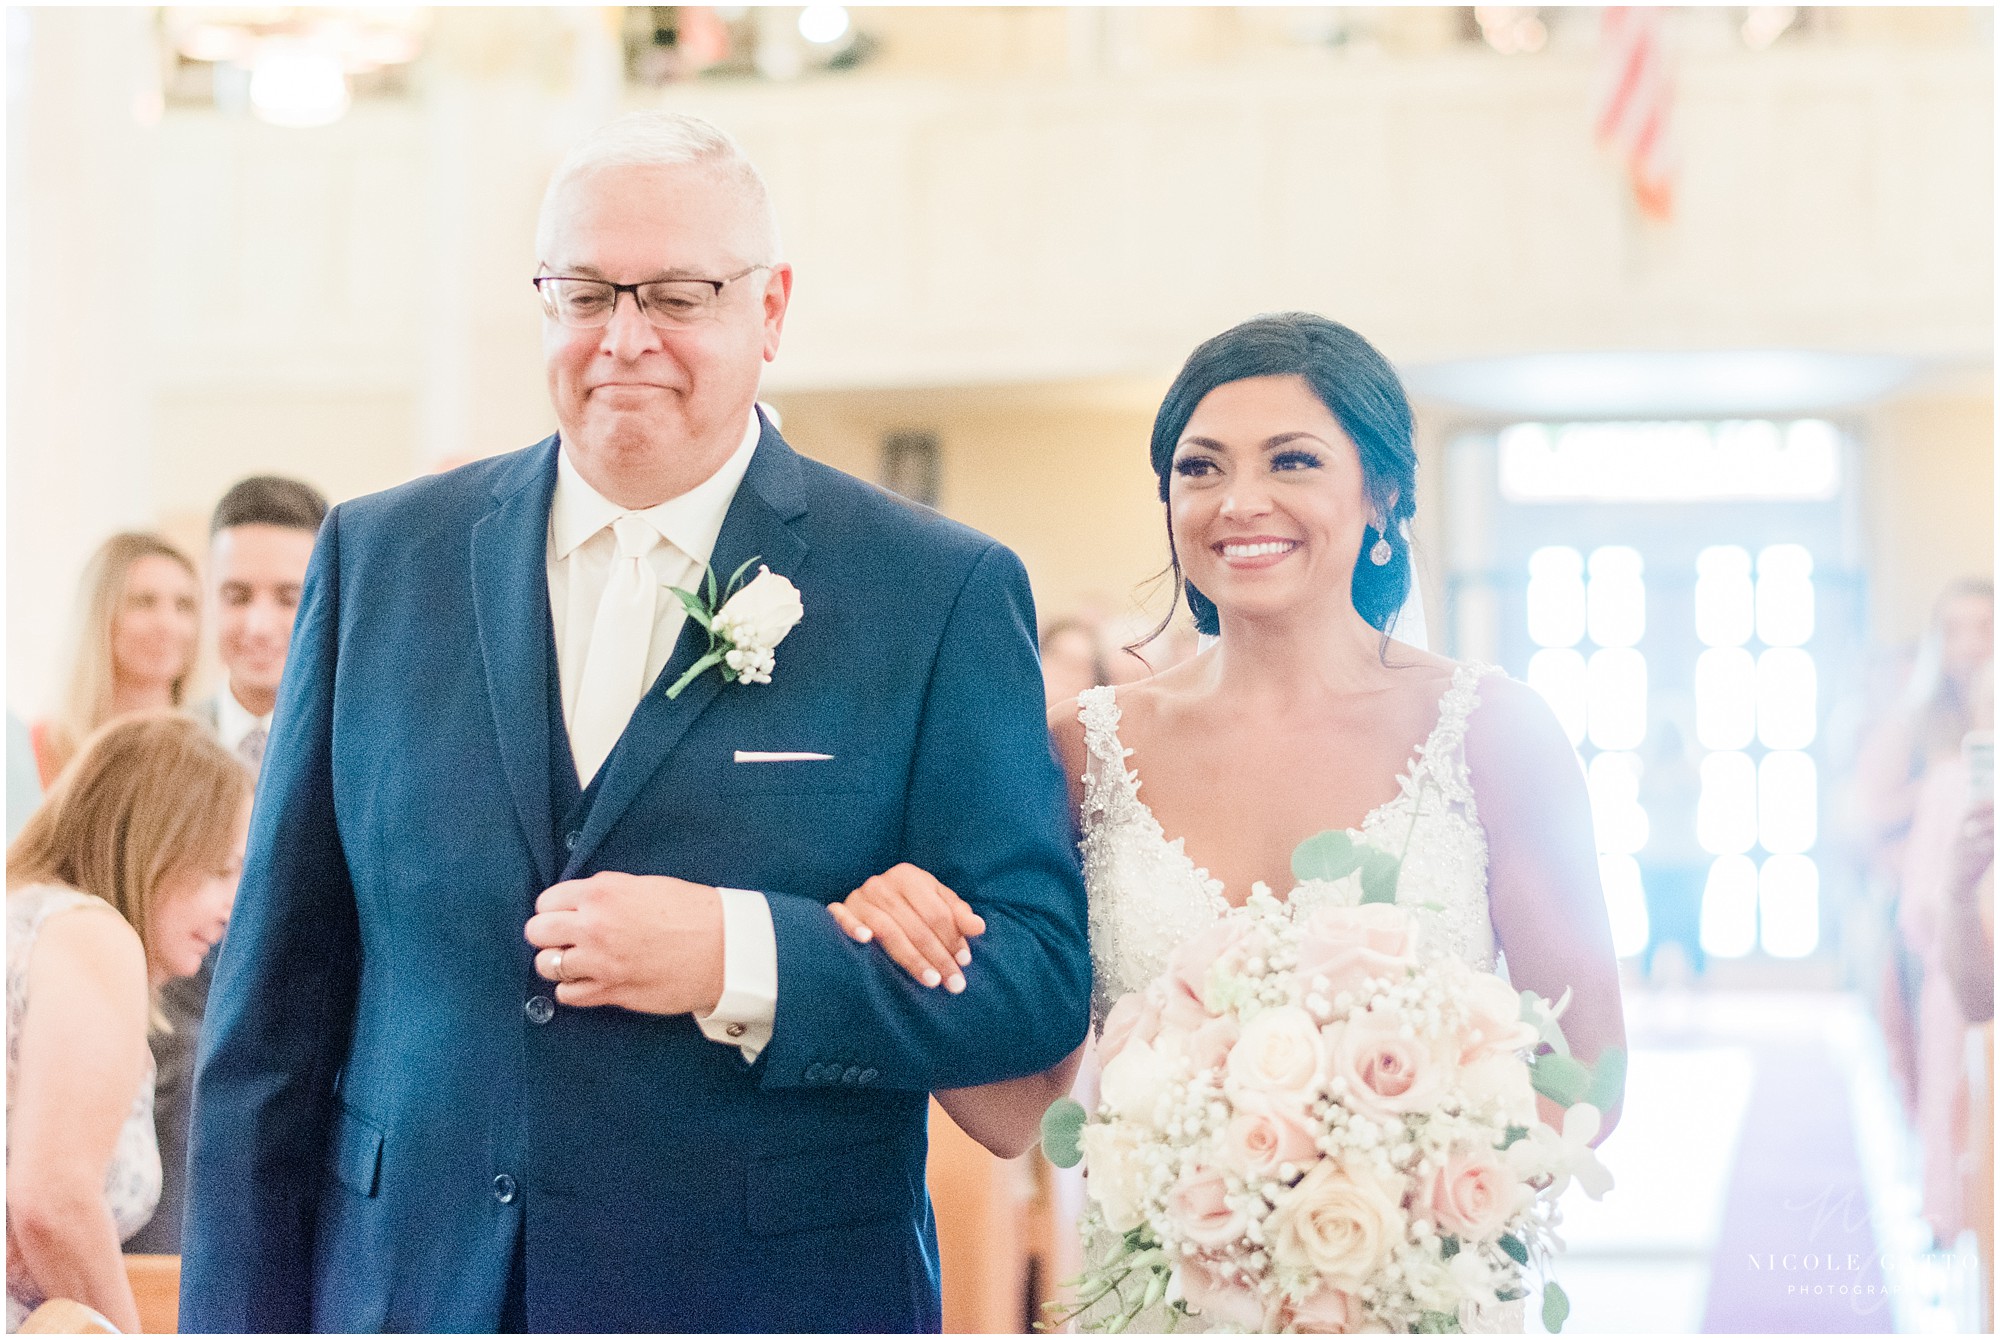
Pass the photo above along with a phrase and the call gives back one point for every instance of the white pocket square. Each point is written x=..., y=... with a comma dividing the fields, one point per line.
x=779, y=756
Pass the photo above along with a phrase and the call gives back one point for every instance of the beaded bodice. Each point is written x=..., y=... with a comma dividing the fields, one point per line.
x=1147, y=895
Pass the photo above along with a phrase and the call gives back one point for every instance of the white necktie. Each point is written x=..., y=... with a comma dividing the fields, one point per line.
x=614, y=668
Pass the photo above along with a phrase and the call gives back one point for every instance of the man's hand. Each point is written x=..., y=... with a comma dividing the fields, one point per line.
x=646, y=942
x=924, y=926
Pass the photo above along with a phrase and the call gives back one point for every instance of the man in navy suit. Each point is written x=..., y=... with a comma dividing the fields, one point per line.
x=532, y=1014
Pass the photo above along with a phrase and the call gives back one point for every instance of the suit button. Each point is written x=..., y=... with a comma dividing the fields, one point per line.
x=503, y=1189
x=569, y=841
x=815, y=1073
x=851, y=1074
x=540, y=1009
x=870, y=1075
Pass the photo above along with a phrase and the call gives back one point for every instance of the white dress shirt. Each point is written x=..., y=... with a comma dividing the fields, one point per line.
x=234, y=721
x=581, y=549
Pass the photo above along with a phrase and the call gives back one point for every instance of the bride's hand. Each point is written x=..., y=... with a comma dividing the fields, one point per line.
x=922, y=925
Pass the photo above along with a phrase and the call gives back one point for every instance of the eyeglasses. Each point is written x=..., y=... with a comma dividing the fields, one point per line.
x=670, y=304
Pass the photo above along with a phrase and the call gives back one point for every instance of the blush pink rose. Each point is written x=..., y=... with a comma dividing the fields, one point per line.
x=1327, y=1311
x=1386, y=1073
x=1493, y=1024
x=1279, y=1056
x=1472, y=1196
x=1224, y=1298
x=1348, y=945
x=1210, y=1046
x=1134, y=1018
x=1189, y=964
x=1264, y=1136
x=1199, y=1206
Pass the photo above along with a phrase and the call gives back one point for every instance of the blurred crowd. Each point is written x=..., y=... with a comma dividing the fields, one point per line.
x=128, y=809
x=1917, y=816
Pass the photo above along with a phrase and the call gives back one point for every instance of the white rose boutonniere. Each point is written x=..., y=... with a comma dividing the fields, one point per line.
x=744, y=627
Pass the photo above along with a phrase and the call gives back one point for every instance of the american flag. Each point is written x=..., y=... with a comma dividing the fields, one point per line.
x=1635, y=105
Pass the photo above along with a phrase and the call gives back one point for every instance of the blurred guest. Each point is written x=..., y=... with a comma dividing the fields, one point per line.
x=1966, y=926
x=261, y=538
x=1889, y=776
x=1933, y=865
x=137, y=619
x=1673, y=866
x=121, y=881
x=24, y=784
x=1071, y=660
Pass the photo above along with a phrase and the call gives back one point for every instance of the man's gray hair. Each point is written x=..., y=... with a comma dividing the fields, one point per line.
x=664, y=139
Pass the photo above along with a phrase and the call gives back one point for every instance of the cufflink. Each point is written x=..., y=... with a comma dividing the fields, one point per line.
x=736, y=1030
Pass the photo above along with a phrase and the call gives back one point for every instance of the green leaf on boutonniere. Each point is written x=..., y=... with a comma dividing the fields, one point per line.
x=1379, y=873
x=1331, y=855
x=736, y=577
x=1062, y=1130
x=1514, y=1247
x=695, y=607
x=1555, y=1307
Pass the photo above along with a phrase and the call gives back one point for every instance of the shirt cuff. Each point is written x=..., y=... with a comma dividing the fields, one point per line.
x=749, y=1004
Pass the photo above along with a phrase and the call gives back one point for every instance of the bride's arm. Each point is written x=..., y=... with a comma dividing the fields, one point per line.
x=1542, y=882
x=929, y=931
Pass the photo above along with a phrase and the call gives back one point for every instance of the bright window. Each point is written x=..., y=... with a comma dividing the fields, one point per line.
x=1559, y=675
x=1670, y=462
x=1614, y=803
x=1617, y=598
x=1729, y=908
x=1617, y=696
x=1785, y=595
x=1725, y=608
x=1555, y=597
x=1726, y=816
x=1624, y=904
x=1787, y=698
x=1787, y=802
x=1789, y=897
x=1725, y=698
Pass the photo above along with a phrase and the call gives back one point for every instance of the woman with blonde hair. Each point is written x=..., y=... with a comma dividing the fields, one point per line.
x=138, y=617
x=121, y=881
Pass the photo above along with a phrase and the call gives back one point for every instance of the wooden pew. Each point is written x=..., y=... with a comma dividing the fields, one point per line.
x=156, y=1284
x=66, y=1316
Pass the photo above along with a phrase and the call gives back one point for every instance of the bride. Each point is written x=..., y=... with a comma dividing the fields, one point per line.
x=1285, y=459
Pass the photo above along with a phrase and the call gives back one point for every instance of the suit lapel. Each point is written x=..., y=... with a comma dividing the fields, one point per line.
x=758, y=525
x=510, y=596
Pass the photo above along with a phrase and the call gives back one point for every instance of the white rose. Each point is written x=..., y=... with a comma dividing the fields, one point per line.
x=1278, y=1056
x=1115, y=1174
x=759, y=615
x=1339, y=1224
x=1500, y=1083
x=1135, y=1081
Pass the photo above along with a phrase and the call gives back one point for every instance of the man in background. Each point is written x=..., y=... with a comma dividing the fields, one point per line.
x=260, y=539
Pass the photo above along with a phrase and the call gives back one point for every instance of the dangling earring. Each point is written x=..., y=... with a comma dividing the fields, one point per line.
x=1381, y=553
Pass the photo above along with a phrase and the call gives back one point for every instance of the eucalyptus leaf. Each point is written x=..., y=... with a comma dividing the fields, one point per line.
x=1447, y=1247
x=1330, y=855
x=1555, y=1307
x=1437, y=1323
x=1062, y=1129
x=1379, y=873
x=1514, y=1134
x=1607, y=1079
x=1514, y=1247
x=1563, y=1080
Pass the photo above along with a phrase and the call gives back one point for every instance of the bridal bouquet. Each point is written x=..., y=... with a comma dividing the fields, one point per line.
x=1307, y=1126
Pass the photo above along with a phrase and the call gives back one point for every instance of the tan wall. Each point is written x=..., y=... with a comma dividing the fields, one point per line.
x=1929, y=504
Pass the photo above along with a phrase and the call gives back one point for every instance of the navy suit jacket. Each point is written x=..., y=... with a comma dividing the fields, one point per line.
x=385, y=1104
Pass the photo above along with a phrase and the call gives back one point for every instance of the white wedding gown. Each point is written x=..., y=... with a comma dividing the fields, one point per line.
x=1147, y=896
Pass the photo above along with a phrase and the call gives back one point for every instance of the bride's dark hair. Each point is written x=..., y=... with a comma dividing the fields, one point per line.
x=1359, y=388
